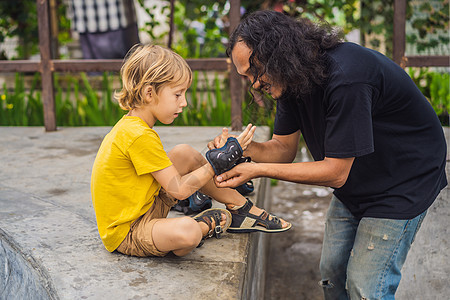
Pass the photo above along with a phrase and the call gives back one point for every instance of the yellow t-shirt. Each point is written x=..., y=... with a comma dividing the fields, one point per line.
x=122, y=187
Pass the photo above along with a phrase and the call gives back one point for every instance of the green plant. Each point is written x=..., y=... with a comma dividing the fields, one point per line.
x=436, y=88
x=152, y=12
x=20, y=107
x=202, y=26
x=19, y=19
x=208, y=107
x=76, y=103
x=430, y=23
x=261, y=112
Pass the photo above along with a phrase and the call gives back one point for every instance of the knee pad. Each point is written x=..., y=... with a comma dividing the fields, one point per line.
x=225, y=158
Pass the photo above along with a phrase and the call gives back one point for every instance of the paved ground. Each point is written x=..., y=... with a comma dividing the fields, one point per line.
x=293, y=263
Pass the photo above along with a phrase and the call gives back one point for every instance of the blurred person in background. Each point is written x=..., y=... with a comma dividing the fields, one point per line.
x=107, y=28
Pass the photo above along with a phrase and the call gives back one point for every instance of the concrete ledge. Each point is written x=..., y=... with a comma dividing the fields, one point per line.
x=49, y=244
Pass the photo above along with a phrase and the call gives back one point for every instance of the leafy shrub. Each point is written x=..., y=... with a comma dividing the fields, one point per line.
x=434, y=86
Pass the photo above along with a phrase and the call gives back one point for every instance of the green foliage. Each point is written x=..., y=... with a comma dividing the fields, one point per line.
x=64, y=23
x=20, y=107
x=19, y=19
x=375, y=19
x=430, y=23
x=343, y=13
x=152, y=12
x=199, y=30
x=211, y=107
x=88, y=107
x=201, y=25
x=76, y=103
x=260, y=112
x=377, y=24
x=436, y=87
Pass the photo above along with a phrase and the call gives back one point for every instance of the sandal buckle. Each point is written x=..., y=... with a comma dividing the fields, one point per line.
x=218, y=230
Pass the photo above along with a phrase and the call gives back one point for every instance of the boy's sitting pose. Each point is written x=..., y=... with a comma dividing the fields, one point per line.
x=135, y=182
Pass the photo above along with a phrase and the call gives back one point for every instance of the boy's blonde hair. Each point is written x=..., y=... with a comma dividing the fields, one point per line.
x=150, y=65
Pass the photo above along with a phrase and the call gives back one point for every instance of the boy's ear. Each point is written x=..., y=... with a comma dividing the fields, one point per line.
x=148, y=93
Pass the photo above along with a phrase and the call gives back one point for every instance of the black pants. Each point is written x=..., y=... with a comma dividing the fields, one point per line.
x=110, y=44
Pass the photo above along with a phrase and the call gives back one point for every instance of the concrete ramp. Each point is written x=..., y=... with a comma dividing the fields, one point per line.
x=50, y=247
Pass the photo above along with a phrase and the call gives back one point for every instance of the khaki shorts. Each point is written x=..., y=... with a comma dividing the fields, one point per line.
x=139, y=240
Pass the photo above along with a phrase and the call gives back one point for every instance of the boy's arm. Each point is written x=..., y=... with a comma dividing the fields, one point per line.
x=181, y=187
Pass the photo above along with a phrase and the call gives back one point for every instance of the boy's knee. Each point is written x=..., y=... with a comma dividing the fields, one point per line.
x=188, y=155
x=188, y=232
x=182, y=149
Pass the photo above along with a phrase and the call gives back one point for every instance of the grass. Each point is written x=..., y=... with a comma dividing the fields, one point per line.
x=78, y=103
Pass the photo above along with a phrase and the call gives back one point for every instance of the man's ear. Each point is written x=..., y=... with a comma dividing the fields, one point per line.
x=148, y=94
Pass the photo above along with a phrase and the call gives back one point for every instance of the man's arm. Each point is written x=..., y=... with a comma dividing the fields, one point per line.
x=331, y=172
x=280, y=149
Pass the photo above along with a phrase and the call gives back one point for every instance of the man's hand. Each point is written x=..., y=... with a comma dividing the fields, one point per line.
x=235, y=177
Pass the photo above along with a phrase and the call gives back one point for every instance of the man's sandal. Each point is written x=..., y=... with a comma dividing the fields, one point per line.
x=213, y=215
x=244, y=221
x=225, y=158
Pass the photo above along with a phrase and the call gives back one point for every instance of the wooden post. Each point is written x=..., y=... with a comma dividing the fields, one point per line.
x=46, y=65
x=171, y=25
x=399, y=41
x=235, y=79
x=54, y=45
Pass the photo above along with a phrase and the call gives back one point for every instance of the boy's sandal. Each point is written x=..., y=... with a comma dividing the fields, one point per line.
x=225, y=158
x=213, y=215
x=243, y=221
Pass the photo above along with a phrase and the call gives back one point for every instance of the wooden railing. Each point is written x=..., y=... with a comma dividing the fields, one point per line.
x=399, y=43
x=46, y=66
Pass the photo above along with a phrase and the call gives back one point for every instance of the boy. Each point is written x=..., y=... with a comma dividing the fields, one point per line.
x=135, y=182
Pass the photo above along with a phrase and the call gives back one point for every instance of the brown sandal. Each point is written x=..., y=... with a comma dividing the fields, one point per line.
x=213, y=215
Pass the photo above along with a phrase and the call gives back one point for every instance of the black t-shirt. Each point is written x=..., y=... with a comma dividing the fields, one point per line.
x=370, y=109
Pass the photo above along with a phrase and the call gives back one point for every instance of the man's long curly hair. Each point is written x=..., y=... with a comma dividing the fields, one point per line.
x=289, y=52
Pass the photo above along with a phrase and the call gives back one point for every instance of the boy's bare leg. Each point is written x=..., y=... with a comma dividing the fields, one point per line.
x=186, y=159
x=180, y=235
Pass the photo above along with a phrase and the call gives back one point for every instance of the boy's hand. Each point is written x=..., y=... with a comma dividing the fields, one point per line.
x=220, y=140
x=245, y=138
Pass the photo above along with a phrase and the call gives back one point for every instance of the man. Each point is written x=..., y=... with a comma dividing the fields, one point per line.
x=107, y=28
x=374, y=138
